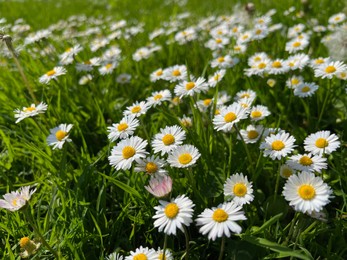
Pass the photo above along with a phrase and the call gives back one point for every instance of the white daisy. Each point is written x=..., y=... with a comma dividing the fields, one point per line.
x=114, y=256
x=258, y=113
x=123, y=129
x=286, y=171
x=251, y=134
x=127, y=151
x=278, y=66
x=189, y=88
x=217, y=77
x=296, y=45
x=294, y=81
x=220, y=220
x=33, y=110
x=69, y=54
x=186, y=121
x=88, y=65
x=306, y=192
x=142, y=253
x=175, y=73
x=173, y=215
x=224, y=62
x=108, y=68
x=16, y=199
x=168, y=139
x=239, y=189
x=307, y=162
x=277, y=146
x=137, y=109
x=158, y=97
x=330, y=69
x=168, y=255
x=245, y=94
x=183, y=156
x=156, y=75
x=59, y=135
x=228, y=116
x=321, y=143
x=305, y=89
x=85, y=79
x=337, y=18
x=123, y=78
x=52, y=74
x=152, y=166
x=297, y=61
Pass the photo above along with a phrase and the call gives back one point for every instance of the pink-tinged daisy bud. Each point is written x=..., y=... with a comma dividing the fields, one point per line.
x=160, y=187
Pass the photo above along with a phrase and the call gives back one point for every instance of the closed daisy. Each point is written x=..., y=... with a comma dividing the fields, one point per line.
x=142, y=253
x=221, y=220
x=307, y=162
x=239, y=189
x=278, y=146
x=228, y=116
x=123, y=129
x=33, y=110
x=59, y=135
x=152, y=166
x=52, y=74
x=321, y=143
x=173, y=215
x=183, y=156
x=168, y=139
x=28, y=247
x=127, y=151
x=160, y=187
x=306, y=192
x=16, y=199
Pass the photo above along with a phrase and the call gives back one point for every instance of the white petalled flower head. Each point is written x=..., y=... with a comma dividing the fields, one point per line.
x=252, y=134
x=244, y=37
x=223, y=98
x=88, y=65
x=124, y=129
x=321, y=143
x=141, y=54
x=115, y=256
x=294, y=81
x=127, y=151
x=239, y=189
x=217, y=77
x=245, y=102
x=228, y=116
x=306, y=192
x=217, y=43
x=16, y=199
x=98, y=43
x=52, y=74
x=28, y=247
x=85, y=79
x=123, y=78
x=152, y=166
x=168, y=255
x=239, y=48
x=142, y=253
x=246, y=94
x=160, y=187
x=296, y=45
x=221, y=220
x=204, y=104
x=173, y=215
x=183, y=156
x=315, y=63
x=271, y=82
x=189, y=88
x=286, y=171
x=70, y=53
x=330, y=69
x=259, y=112
x=337, y=18
x=278, y=146
x=224, y=62
x=307, y=162
x=295, y=30
x=33, y=110
x=108, y=68
x=305, y=89
x=137, y=109
x=159, y=97
x=186, y=121
x=175, y=73
x=342, y=75
x=59, y=135
x=168, y=139
x=156, y=75
x=260, y=32
x=185, y=36
x=278, y=66
x=297, y=61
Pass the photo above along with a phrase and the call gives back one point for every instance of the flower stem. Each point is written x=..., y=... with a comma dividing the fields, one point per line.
x=164, y=247
x=246, y=148
x=324, y=103
x=187, y=242
x=221, y=253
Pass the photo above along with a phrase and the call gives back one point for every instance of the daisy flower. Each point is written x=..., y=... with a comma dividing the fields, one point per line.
x=183, y=156
x=297, y=61
x=305, y=89
x=228, y=116
x=85, y=79
x=142, y=253
x=189, y=88
x=33, y=110
x=175, y=73
x=248, y=94
x=330, y=69
x=277, y=146
x=160, y=187
x=224, y=62
x=127, y=151
x=16, y=199
x=108, y=68
x=68, y=55
x=221, y=220
x=169, y=138
x=278, y=66
x=315, y=63
x=307, y=162
x=204, y=104
x=123, y=78
x=217, y=77
x=52, y=74
x=59, y=135
x=251, y=134
x=337, y=18
x=306, y=192
x=123, y=129
x=259, y=112
x=137, y=109
x=156, y=75
x=88, y=65
x=28, y=247
x=186, y=121
x=152, y=166
x=173, y=215
x=168, y=255
x=158, y=97
x=286, y=171
x=296, y=45
x=239, y=189
x=294, y=81
x=321, y=143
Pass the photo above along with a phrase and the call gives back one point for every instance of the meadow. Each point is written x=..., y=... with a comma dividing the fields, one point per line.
x=174, y=129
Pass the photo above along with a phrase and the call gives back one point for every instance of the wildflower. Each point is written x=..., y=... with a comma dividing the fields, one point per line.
x=108, y=68
x=330, y=69
x=321, y=143
x=277, y=146
x=152, y=166
x=123, y=129
x=246, y=94
x=337, y=18
x=156, y=75
x=228, y=116
x=158, y=97
x=85, y=79
x=52, y=74
x=186, y=121
x=168, y=139
x=286, y=171
x=88, y=65
x=127, y=151
x=204, y=104
x=28, y=247
x=278, y=66
x=306, y=192
x=167, y=256
x=294, y=81
x=297, y=61
x=67, y=57
x=137, y=109
x=59, y=135
x=259, y=112
x=305, y=89
x=141, y=53
x=307, y=162
x=315, y=63
x=33, y=110
x=296, y=45
x=175, y=73
x=142, y=253
x=123, y=78
x=160, y=187
x=16, y=199
x=220, y=220
x=239, y=189
x=251, y=134
x=173, y=215
x=189, y=88
x=224, y=62
x=183, y=156
x=271, y=82
x=217, y=77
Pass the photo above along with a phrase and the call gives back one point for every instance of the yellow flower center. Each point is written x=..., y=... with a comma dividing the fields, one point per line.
x=337, y=18
x=306, y=192
x=343, y=75
x=185, y=158
x=256, y=114
x=245, y=95
x=321, y=143
x=88, y=62
x=168, y=139
x=128, y=152
x=68, y=50
x=50, y=73
x=219, y=215
x=287, y=172
x=159, y=73
x=190, y=85
x=257, y=59
x=252, y=134
x=237, y=48
x=291, y=64
x=245, y=37
x=319, y=61
x=218, y=40
x=14, y=202
x=158, y=96
x=171, y=210
x=295, y=81
x=229, y=117
x=151, y=167
x=258, y=31
x=135, y=109
x=235, y=30
x=60, y=135
x=140, y=256
x=29, y=109
x=296, y=44
x=261, y=65
x=221, y=59
x=277, y=145
x=24, y=242
x=330, y=69
x=108, y=66
x=305, y=89
x=240, y=189
x=122, y=126
x=277, y=64
x=176, y=73
x=305, y=160
x=161, y=256
x=207, y=102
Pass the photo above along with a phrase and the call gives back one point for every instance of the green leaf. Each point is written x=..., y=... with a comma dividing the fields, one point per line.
x=267, y=224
